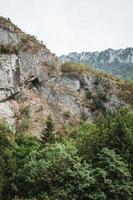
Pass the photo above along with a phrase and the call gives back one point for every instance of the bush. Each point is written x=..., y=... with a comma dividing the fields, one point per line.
x=88, y=94
x=72, y=67
x=97, y=103
x=66, y=114
x=25, y=124
x=27, y=37
x=24, y=110
x=8, y=49
x=126, y=91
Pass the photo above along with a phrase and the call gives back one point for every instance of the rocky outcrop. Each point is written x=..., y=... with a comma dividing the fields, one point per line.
x=118, y=62
x=32, y=85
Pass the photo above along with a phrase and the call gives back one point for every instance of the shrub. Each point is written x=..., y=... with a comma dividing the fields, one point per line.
x=27, y=37
x=102, y=95
x=40, y=109
x=25, y=124
x=73, y=67
x=8, y=49
x=24, y=110
x=126, y=91
x=97, y=103
x=88, y=94
x=66, y=114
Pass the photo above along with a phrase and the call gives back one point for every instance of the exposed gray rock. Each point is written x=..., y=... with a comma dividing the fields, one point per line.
x=69, y=102
x=6, y=112
x=9, y=76
x=73, y=84
x=7, y=37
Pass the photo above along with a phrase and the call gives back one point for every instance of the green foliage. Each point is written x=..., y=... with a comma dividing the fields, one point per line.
x=66, y=114
x=6, y=149
x=126, y=91
x=8, y=49
x=25, y=124
x=113, y=132
x=97, y=103
x=73, y=67
x=94, y=163
x=113, y=176
x=102, y=94
x=88, y=94
x=27, y=37
x=47, y=134
x=53, y=172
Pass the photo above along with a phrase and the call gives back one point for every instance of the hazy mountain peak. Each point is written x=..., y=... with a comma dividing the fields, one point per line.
x=118, y=62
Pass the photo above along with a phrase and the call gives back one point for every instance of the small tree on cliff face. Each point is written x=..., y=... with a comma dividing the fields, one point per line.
x=47, y=134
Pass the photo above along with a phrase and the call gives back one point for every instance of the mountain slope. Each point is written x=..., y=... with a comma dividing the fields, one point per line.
x=33, y=83
x=117, y=62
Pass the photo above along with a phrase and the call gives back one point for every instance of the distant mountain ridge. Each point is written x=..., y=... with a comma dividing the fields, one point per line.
x=117, y=62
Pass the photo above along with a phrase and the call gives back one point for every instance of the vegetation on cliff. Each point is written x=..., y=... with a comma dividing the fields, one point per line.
x=8, y=49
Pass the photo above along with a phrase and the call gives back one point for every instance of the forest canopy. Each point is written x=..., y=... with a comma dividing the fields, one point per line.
x=95, y=162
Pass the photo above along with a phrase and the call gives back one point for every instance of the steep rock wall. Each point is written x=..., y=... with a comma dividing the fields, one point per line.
x=32, y=85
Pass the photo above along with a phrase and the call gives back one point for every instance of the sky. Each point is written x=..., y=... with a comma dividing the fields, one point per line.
x=74, y=25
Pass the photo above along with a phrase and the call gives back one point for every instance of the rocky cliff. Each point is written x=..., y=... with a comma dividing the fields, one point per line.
x=33, y=83
x=117, y=62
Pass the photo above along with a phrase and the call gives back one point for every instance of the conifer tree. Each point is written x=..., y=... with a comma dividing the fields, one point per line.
x=47, y=134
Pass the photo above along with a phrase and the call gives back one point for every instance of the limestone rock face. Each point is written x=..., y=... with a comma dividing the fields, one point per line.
x=32, y=85
x=9, y=76
x=7, y=37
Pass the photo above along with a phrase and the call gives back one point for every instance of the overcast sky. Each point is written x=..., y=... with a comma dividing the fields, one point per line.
x=74, y=25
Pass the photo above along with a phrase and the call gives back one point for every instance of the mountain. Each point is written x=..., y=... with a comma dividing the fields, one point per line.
x=117, y=62
x=34, y=83
x=84, y=144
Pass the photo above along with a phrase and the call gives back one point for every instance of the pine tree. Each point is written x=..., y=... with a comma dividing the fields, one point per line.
x=47, y=134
